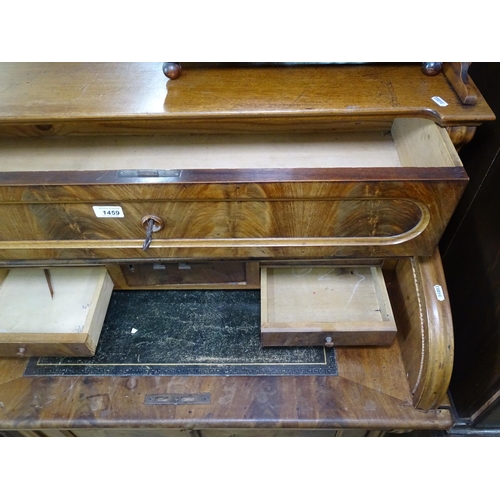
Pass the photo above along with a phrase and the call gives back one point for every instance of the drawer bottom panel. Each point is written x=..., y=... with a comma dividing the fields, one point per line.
x=341, y=306
x=53, y=311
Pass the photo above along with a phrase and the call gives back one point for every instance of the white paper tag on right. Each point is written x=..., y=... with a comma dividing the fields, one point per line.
x=439, y=292
x=439, y=101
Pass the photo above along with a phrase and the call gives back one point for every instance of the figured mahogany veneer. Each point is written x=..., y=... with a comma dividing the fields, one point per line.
x=373, y=195
x=341, y=165
x=400, y=386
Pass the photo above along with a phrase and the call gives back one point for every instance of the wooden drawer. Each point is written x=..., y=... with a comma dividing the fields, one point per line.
x=308, y=196
x=34, y=323
x=341, y=306
x=185, y=275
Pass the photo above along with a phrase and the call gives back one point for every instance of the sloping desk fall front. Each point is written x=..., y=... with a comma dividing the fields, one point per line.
x=49, y=111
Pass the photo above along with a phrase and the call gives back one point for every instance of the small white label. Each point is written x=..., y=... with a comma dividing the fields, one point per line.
x=439, y=292
x=108, y=212
x=439, y=101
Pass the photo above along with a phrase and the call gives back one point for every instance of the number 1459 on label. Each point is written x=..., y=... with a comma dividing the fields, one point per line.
x=108, y=211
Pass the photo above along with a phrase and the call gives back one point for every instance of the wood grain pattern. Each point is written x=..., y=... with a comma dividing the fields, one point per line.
x=458, y=75
x=188, y=152
x=403, y=214
x=69, y=324
x=47, y=218
x=236, y=212
x=425, y=328
x=460, y=136
x=420, y=143
x=47, y=99
x=470, y=251
x=306, y=305
x=382, y=220
x=371, y=391
x=238, y=402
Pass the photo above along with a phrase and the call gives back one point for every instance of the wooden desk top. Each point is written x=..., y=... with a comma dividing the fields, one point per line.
x=371, y=392
x=45, y=99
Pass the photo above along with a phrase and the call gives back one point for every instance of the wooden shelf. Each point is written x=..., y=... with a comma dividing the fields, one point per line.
x=136, y=98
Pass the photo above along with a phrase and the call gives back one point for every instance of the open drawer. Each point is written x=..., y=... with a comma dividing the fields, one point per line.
x=309, y=196
x=319, y=305
x=67, y=322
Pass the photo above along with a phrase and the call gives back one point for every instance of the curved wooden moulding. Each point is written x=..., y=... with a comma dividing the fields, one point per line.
x=425, y=330
x=460, y=136
x=208, y=223
x=206, y=229
x=458, y=75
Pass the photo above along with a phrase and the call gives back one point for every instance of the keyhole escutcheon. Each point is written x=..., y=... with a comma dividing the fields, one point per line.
x=152, y=224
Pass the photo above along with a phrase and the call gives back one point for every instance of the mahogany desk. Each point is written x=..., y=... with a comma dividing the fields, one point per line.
x=398, y=386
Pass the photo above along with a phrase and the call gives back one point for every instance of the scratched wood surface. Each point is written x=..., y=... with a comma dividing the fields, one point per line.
x=400, y=208
x=425, y=327
x=320, y=305
x=45, y=99
x=377, y=388
x=404, y=216
x=34, y=322
x=408, y=142
x=371, y=392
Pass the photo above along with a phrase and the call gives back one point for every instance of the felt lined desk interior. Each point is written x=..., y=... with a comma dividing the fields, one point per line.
x=193, y=332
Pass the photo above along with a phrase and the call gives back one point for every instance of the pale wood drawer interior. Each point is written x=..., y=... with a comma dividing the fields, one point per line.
x=247, y=197
x=35, y=323
x=409, y=142
x=325, y=305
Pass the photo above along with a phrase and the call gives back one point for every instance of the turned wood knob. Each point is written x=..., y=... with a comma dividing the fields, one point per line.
x=172, y=70
x=432, y=68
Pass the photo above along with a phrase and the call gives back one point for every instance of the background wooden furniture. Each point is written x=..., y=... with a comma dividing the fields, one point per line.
x=401, y=386
x=470, y=249
x=457, y=74
x=132, y=99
